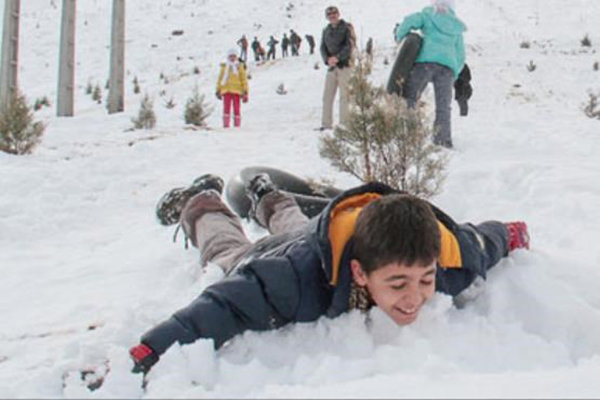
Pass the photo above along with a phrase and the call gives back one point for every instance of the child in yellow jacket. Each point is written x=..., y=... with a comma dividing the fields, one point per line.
x=231, y=87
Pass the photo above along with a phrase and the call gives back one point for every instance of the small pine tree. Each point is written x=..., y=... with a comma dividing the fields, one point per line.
x=384, y=140
x=146, y=118
x=136, y=85
x=592, y=108
x=170, y=104
x=596, y=66
x=97, y=94
x=196, y=110
x=19, y=134
x=586, y=42
x=89, y=88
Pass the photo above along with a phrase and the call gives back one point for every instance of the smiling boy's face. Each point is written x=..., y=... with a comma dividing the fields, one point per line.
x=399, y=290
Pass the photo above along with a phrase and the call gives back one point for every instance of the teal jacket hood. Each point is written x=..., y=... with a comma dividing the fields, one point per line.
x=442, y=37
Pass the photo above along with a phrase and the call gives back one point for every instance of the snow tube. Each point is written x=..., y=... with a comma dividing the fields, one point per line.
x=311, y=198
x=411, y=45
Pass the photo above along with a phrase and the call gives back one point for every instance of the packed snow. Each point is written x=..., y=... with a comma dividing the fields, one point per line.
x=87, y=269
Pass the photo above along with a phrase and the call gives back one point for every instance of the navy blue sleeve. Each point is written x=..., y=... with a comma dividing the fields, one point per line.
x=262, y=295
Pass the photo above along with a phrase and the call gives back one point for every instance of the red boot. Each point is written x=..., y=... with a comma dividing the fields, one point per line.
x=518, y=236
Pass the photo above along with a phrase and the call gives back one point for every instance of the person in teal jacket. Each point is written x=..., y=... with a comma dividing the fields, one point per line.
x=440, y=60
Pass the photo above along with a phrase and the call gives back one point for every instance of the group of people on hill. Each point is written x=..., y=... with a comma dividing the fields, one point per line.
x=289, y=44
x=369, y=246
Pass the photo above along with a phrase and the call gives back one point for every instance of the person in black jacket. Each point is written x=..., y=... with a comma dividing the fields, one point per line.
x=310, y=39
x=285, y=42
x=370, y=246
x=272, y=44
x=336, y=50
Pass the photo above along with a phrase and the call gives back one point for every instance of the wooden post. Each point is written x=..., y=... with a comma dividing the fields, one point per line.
x=66, y=67
x=10, y=52
x=117, y=59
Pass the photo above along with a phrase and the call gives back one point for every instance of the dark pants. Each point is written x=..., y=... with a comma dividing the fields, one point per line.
x=442, y=78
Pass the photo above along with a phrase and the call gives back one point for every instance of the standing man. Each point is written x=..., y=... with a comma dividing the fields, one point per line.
x=336, y=49
x=255, y=49
x=311, y=42
x=285, y=42
x=243, y=43
x=272, y=43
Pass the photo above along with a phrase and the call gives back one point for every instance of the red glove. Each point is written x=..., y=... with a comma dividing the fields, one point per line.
x=245, y=97
x=143, y=358
x=218, y=94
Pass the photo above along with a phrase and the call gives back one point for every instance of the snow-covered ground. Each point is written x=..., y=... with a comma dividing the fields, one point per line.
x=86, y=269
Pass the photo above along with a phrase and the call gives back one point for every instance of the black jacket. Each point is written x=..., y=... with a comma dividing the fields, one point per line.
x=335, y=41
x=285, y=278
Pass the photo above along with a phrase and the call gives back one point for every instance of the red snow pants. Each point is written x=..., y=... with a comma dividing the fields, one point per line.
x=228, y=99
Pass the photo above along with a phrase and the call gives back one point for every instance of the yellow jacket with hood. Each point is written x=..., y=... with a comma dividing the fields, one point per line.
x=236, y=83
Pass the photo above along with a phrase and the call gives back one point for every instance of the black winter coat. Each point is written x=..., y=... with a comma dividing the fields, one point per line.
x=287, y=278
x=335, y=41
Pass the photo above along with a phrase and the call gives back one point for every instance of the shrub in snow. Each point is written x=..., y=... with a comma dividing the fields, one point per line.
x=586, y=42
x=385, y=141
x=136, y=85
x=19, y=134
x=531, y=66
x=596, y=66
x=281, y=89
x=196, y=110
x=196, y=70
x=97, y=94
x=146, y=118
x=89, y=88
x=317, y=66
x=386, y=61
x=591, y=109
x=525, y=45
x=170, y=104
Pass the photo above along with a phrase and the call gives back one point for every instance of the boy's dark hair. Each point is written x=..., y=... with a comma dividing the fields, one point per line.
x=397, y=228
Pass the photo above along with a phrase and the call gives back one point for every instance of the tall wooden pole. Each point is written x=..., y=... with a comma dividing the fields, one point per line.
x=66, y=68
x=117, y=59
x=10, y=52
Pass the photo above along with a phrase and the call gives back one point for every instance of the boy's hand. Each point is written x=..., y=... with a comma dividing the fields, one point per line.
x=218, y=94
x=143, y=358
x=245, y=97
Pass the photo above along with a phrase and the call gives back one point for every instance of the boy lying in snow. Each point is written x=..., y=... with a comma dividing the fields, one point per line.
x=371, y=246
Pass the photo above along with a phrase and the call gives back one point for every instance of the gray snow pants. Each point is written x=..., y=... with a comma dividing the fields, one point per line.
x=217, y=232
x=442, y=78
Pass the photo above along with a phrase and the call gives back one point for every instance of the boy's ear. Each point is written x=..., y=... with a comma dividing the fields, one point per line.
x=359, y=275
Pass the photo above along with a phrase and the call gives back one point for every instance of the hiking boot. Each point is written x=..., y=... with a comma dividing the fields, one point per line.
x=518, y=235
x=170, y=205
x=257, y=188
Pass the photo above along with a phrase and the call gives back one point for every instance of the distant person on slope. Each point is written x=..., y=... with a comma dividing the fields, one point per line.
x=370, y=246
x=272, y=44
x=285, y=43
x=336, y=50
x=232, y=86
x=440, y=61
x=243, y=43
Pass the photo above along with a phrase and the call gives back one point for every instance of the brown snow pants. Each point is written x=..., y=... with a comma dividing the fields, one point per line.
x=217, y=232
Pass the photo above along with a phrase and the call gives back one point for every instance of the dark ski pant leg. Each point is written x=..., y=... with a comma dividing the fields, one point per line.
x=443, y=80
x=481, y=246
x=419, y=77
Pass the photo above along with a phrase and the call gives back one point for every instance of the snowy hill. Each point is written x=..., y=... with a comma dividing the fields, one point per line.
x=87, y=269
